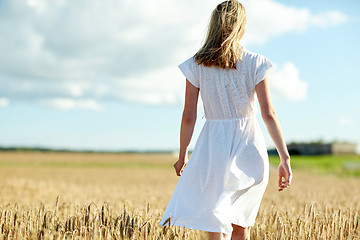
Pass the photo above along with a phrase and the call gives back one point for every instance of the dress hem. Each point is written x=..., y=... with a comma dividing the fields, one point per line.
x=203, y=228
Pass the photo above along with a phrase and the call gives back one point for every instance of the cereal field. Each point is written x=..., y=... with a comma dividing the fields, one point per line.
x=123, y=196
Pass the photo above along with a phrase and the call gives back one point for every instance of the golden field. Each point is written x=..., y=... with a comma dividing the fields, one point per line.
x=123, y=196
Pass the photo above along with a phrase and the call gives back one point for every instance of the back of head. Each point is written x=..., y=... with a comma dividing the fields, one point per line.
x=226, y=28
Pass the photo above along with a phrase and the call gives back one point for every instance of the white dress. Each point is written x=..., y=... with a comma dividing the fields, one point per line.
x=227, y=173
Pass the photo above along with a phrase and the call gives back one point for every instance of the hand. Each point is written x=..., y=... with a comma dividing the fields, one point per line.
x=179, y=166
x=285, y=175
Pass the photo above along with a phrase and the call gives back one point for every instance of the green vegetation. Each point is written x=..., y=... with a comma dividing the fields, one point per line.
x=326, y=164
x=323, y=164
x=65, y=150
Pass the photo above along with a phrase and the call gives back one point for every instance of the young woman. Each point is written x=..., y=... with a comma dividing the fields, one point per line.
x=221, y=187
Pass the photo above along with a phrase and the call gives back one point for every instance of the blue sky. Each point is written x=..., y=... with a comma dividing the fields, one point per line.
x=103, y=75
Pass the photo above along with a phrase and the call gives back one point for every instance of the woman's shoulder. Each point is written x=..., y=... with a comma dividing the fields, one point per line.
x=253, y=57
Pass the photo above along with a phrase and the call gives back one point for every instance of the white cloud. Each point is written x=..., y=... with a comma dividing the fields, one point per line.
x=68, y=103
x=120, y=50
x=163, y=86
x=331, y=18
x=285, y=83
x=268, y=19
x=345, y=121
x=4, y=102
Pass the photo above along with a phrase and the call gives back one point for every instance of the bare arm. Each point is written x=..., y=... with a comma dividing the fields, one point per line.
x=187, y=125
x=272, y=123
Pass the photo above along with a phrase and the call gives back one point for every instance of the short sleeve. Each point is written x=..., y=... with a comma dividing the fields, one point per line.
x=188, y=69
x=263, y=66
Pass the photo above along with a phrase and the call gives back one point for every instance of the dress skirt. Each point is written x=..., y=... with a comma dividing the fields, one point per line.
x=224, y=180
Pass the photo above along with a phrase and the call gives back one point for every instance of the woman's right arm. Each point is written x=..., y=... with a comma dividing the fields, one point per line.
x=187, y=125
x=272, y=123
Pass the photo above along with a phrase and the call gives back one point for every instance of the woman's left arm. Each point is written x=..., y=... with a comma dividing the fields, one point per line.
x=187, y=125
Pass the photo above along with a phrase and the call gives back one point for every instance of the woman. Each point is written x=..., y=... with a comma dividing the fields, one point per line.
x=222, y=185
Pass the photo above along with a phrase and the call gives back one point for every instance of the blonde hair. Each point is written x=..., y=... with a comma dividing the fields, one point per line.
x=226, y=28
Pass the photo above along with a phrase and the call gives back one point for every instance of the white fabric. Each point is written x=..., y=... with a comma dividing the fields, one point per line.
x=227, y=173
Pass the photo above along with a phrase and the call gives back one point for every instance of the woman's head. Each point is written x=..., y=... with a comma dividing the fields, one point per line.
x=226, y=28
